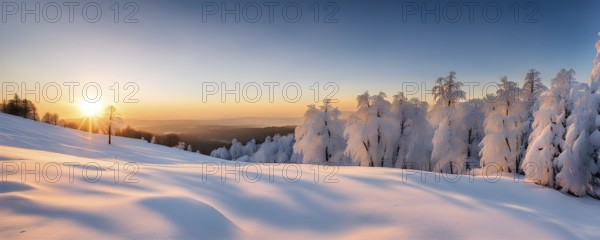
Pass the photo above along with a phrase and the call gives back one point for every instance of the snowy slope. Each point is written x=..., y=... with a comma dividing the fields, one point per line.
x=181, y=195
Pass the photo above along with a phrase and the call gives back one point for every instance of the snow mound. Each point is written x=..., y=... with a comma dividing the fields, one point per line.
x=65, y=184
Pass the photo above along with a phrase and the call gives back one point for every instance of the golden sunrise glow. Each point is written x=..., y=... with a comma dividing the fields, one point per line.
x=90, y=109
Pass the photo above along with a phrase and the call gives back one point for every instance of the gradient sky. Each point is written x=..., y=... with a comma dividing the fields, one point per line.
x=171, y=52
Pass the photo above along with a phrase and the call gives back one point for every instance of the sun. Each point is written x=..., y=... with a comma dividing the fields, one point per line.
x=90, y=109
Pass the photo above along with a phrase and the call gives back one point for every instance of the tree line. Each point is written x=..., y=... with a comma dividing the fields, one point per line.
x=20, y=107
x=551, y=135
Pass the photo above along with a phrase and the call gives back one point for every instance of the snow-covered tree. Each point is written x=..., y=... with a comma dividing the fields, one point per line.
x=367, y=131
x=532, y=89
x=449, y=146
x=189, y=147
x=411, y=134
x=221, y=153
x=547, y=140
x=539, y=162
x=277, y=149
x=577, y=163
x=470, y=117
x=236, y=150
x=530, y=94
x=594, y=78
x=266, y=152
x=595, y=137
x=180, y=145
x=505, y=126
x=448, y=91
x=153, y=141
x=319, y=138
x=250, y=148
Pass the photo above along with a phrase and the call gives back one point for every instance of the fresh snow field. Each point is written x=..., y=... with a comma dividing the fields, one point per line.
x=181, y=195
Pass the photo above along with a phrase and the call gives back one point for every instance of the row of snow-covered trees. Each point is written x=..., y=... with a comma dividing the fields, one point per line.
x=551, y=135
x=565, y=142
x=402, y=133
x=385, y=134
x=276, y=149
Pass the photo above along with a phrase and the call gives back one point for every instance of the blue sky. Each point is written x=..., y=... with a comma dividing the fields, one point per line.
x=171, y=51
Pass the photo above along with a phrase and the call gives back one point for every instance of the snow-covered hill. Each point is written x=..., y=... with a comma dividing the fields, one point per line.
x=164, y=193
